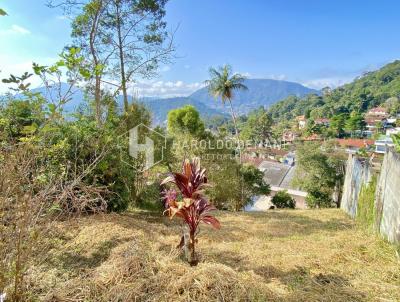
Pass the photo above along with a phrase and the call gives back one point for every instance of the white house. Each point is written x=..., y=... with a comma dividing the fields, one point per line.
x=383, y=143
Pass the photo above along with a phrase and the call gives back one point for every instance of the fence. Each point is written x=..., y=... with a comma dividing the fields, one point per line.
x=358, y=173
x=387, y=197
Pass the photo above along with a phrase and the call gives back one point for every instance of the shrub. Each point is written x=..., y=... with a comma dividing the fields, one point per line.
x=318, y=199
x=365, y=205
x=283, y=199
x=190, y=205
x=243, y=181
x=149, y=198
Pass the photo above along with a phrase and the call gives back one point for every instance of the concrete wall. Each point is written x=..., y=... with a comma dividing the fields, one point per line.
x=358, y=173
x=387, y=198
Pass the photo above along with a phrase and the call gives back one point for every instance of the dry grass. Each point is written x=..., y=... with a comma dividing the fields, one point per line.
x=286, y=255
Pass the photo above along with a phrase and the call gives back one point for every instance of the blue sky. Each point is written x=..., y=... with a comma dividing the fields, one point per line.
x=314, y=42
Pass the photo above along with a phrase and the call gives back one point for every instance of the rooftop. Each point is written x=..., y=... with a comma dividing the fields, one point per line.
x=378, y=110
x=355, y=142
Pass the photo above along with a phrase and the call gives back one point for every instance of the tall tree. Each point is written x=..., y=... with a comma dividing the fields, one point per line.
x=319, y=172
x=355, y=122
x=137, y=31
x=86, y=34
x=186, y=120
x=258, y=127
x=337, y=124
x=222, y=85
x=123, y=40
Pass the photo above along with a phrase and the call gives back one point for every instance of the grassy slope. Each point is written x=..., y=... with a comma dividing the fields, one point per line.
x=298, y=255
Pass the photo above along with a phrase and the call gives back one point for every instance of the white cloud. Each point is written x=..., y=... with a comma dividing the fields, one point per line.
x=14, y=30
x=17, y=66
x=20, y=29
x=165, y=89
x=245, y=74
x=279, y=77
x=332, y=82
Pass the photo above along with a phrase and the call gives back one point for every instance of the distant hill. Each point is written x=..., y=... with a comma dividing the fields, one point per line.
x=367, y=91
x=161, y=107
x=261, y=92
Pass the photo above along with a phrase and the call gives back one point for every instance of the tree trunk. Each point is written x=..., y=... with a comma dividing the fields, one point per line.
x=186, y=242
x=240, y=152
x=189, y=242
x=122, y=60
x=97, y=88
x=236, y=130
x=97, y=99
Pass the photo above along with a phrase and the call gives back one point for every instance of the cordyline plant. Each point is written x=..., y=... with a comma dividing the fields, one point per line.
x=191, y=205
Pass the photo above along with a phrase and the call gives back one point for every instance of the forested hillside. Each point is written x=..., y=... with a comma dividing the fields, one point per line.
x=369, y=90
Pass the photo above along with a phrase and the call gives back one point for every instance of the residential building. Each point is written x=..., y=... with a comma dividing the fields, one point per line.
x=322, y=121
x=373, y=121
x=352, y=145
x=378, y=111
x=393, y=130
x=272, y=154
x=302, y=121
x=289, y=136
x=313, y=137
x=375, y=116
x=383, y=143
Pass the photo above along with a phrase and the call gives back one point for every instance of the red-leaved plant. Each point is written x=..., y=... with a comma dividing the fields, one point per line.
x=191, y=205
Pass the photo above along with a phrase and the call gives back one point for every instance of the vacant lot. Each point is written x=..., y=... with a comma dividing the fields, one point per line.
x=298, y=255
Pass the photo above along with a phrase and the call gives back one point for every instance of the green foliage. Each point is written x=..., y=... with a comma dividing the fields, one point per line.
x=223, y=83
x=19, y=118
x=393, y=105
x=185, y=120
x=362, y=152
x=313, y=128
x=75, y=151
x=366, y=203
x=232, y=181
x=318, y=199
x=368, y=91
x=257, y=127
x=2, y=12
x=355, y=122
x=283, y=199
x=150, y=199
x=337, y=124
x=318, y=172
x=396, y=141
x=254, y=181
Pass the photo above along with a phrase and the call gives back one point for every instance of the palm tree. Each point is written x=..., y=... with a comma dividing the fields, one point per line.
x=222, y=85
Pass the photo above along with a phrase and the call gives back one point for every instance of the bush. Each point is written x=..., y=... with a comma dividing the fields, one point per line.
x=318, y=199
x=365, y=206
x=283, y=199
x=150, y=198
x=234, y=185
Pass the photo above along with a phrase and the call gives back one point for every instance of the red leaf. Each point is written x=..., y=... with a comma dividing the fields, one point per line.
x=211, y=221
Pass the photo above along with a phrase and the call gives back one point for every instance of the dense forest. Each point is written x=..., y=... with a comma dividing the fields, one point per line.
x=369, y=90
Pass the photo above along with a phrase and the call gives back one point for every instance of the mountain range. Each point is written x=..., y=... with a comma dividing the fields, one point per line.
x=261, y=92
